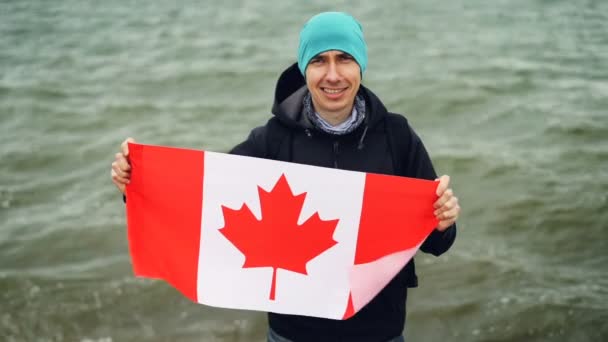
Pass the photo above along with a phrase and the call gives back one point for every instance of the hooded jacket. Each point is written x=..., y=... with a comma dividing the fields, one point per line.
x=290, y=136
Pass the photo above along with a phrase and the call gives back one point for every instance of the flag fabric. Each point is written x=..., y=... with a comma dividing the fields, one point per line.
x=250, y=233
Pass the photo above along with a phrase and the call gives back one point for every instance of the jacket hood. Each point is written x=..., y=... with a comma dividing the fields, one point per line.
x=289, y=95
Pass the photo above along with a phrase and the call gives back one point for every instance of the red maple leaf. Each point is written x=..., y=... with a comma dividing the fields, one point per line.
x=277, y=240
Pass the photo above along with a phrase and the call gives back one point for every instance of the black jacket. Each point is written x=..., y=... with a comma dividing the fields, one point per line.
x=290, y=136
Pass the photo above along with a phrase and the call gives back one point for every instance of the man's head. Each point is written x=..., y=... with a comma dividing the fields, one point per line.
x=332, y=31
x=332, y=57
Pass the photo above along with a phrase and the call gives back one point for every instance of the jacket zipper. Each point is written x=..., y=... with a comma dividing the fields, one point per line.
x=336, y=152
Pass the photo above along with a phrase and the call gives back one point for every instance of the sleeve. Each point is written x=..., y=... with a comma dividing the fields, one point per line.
x=254, y=145
x=420, y=166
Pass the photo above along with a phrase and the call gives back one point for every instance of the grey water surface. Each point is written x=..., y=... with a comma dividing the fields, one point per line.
x=510, y=98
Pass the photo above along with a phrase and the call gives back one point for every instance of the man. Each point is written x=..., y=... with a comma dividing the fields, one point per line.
x=323, y=116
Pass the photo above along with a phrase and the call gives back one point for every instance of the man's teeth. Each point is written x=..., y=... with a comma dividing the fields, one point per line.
x=332, y=91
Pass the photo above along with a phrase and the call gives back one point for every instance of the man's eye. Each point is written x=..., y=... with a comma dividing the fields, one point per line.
x=316, y=60
x=346, y=57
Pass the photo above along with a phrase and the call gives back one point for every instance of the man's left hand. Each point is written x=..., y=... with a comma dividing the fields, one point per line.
x=446, y=207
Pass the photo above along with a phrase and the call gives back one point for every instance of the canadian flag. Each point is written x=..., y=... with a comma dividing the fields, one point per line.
x=249, y=233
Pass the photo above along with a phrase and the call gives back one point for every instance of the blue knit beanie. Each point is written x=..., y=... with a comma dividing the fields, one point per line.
x=332, y=31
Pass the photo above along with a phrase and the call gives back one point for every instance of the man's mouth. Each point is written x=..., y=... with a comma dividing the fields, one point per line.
x=333, y=90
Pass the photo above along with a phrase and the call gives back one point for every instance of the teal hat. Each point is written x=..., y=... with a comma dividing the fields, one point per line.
x=332, y=31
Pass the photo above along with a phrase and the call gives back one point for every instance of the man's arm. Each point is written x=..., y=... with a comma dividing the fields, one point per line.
x=439, y=242
x=447, y=208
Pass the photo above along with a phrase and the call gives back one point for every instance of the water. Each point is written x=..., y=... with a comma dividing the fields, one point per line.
x=510, y=97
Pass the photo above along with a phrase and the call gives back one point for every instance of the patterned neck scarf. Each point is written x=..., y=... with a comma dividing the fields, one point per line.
x=353, y=121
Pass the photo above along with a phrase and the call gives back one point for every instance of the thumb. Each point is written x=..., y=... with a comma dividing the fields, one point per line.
x=124, y=147
x=444, y=182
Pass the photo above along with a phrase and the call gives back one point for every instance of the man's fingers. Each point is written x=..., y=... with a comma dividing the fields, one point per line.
x=118, y=178
x=447, y=194
x=443, y=225
x=124, y=147
x=444, y=182
x=447, y=207
x=452, y=202
x=122, y=162
x=119, y=185
x=448, y=218
x=451, y=214
x=119, y=171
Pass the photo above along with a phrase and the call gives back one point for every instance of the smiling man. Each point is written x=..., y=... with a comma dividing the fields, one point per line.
x=323, y=116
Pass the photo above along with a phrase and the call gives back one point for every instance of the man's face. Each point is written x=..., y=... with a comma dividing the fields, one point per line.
x=333, y=79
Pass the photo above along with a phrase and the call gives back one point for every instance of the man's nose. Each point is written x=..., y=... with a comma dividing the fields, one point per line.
x=333, y=74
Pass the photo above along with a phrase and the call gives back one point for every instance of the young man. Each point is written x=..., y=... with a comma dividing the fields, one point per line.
x=323, y=116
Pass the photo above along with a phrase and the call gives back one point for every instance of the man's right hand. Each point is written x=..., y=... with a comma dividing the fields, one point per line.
x=121, y=169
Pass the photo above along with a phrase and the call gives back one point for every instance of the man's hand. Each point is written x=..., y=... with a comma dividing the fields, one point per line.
x=446, y=207
x=121, y=169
